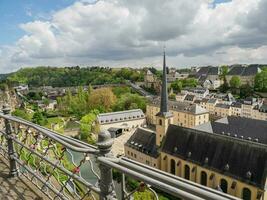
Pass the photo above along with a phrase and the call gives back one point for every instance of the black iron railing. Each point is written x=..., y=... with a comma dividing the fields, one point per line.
x=66, y=168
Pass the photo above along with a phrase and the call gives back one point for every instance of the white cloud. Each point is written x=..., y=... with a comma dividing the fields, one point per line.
x=131, y=33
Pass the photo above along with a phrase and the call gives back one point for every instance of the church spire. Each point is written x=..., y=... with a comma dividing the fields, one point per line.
x=164, y=92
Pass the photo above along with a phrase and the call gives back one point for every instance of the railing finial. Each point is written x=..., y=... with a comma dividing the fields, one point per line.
x=106, y=185
x=104, y=142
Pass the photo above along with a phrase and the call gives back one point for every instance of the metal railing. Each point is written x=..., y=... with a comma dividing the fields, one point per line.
x=66, y=168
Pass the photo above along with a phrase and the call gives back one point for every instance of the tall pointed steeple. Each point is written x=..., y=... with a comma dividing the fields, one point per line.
x=164, y=111
x=164, y=117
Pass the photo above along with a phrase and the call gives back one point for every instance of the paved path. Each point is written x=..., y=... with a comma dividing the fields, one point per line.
x=118, y=146
x=18, y=188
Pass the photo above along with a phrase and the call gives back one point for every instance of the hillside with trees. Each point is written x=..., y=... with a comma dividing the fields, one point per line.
x=72, y=76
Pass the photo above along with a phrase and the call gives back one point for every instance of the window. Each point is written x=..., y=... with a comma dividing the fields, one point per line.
x=203, y=179
x=224, y=185
x=131, y=153
x=246, y=194
x=128, y=152
x=135, y=155
x=172, y=166
x=187, y=172
x=160, y=122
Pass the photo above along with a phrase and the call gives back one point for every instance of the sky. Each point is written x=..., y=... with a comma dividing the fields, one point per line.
x=126, y=33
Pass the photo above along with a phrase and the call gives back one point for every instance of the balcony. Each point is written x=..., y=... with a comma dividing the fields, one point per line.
x=65, y=168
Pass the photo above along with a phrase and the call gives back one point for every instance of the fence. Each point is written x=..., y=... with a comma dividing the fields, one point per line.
x=66, y=168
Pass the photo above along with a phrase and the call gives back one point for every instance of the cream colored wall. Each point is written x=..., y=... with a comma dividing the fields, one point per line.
x=141, y=157
x=161, y=129
x=213, y=183
x=223, y=112
x=179, y=118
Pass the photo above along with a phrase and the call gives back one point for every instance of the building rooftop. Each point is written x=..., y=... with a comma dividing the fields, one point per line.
x=189, y=97
x=120, y=116
x=239, y=127
x=244, y=71
x=240, y=159
x=222, y=105
x=144, y=140
x=182, y=107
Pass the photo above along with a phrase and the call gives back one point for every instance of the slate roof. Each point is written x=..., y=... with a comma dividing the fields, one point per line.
x=237, y=105
x=236, y=70
x=189, y=97
x=144, y=140
x=184, y=107
x=212, y=101
x=240, y=159
x=238, y=127
x=222, y=105
x=120, y=116
x=244, y=71
x=213, y=71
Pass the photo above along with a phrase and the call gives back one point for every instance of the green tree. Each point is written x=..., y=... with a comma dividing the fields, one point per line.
x=235, y=82
x=130, y=101
x=177, y=86
x=260, y=82
x=246, y=91
x=39, y=118
x=22, y=114
x=88, y=126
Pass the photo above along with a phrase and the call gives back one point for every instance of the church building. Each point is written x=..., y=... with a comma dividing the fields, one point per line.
x=234, y=163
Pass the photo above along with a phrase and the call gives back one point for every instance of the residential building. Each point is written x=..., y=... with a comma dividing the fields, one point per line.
x=246, y=74
x=198, y=92
x=185, y=114
x=236, y=109
x=222, y=110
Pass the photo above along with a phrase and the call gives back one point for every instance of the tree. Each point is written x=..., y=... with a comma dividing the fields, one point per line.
x=223, y=72
x=246, y=91
x=235, y=82
x=224, y=87
x=88, y=126
x=22, y=114
x=130, y=101
x=102, y=99
x=39, y=118
x=189, y=82
x=260, y=82
x=172, y=96
x=177, y=86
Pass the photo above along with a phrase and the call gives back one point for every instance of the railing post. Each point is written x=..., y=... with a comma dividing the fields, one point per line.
x=10, y=145
x=106, y=185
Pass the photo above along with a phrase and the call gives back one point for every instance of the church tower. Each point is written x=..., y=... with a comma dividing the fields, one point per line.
x=164, y=117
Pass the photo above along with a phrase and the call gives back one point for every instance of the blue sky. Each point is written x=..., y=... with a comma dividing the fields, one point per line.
x=15, y=12
x=131, y=33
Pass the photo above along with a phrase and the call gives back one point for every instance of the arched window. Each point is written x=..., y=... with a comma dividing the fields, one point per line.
x=246, y=195
x=203, y=178
x=224, y=185
x=172, y=166
x=187, y=172
x=160, y=122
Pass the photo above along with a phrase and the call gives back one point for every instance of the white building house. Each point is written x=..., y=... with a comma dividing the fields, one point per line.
x=125, y=120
